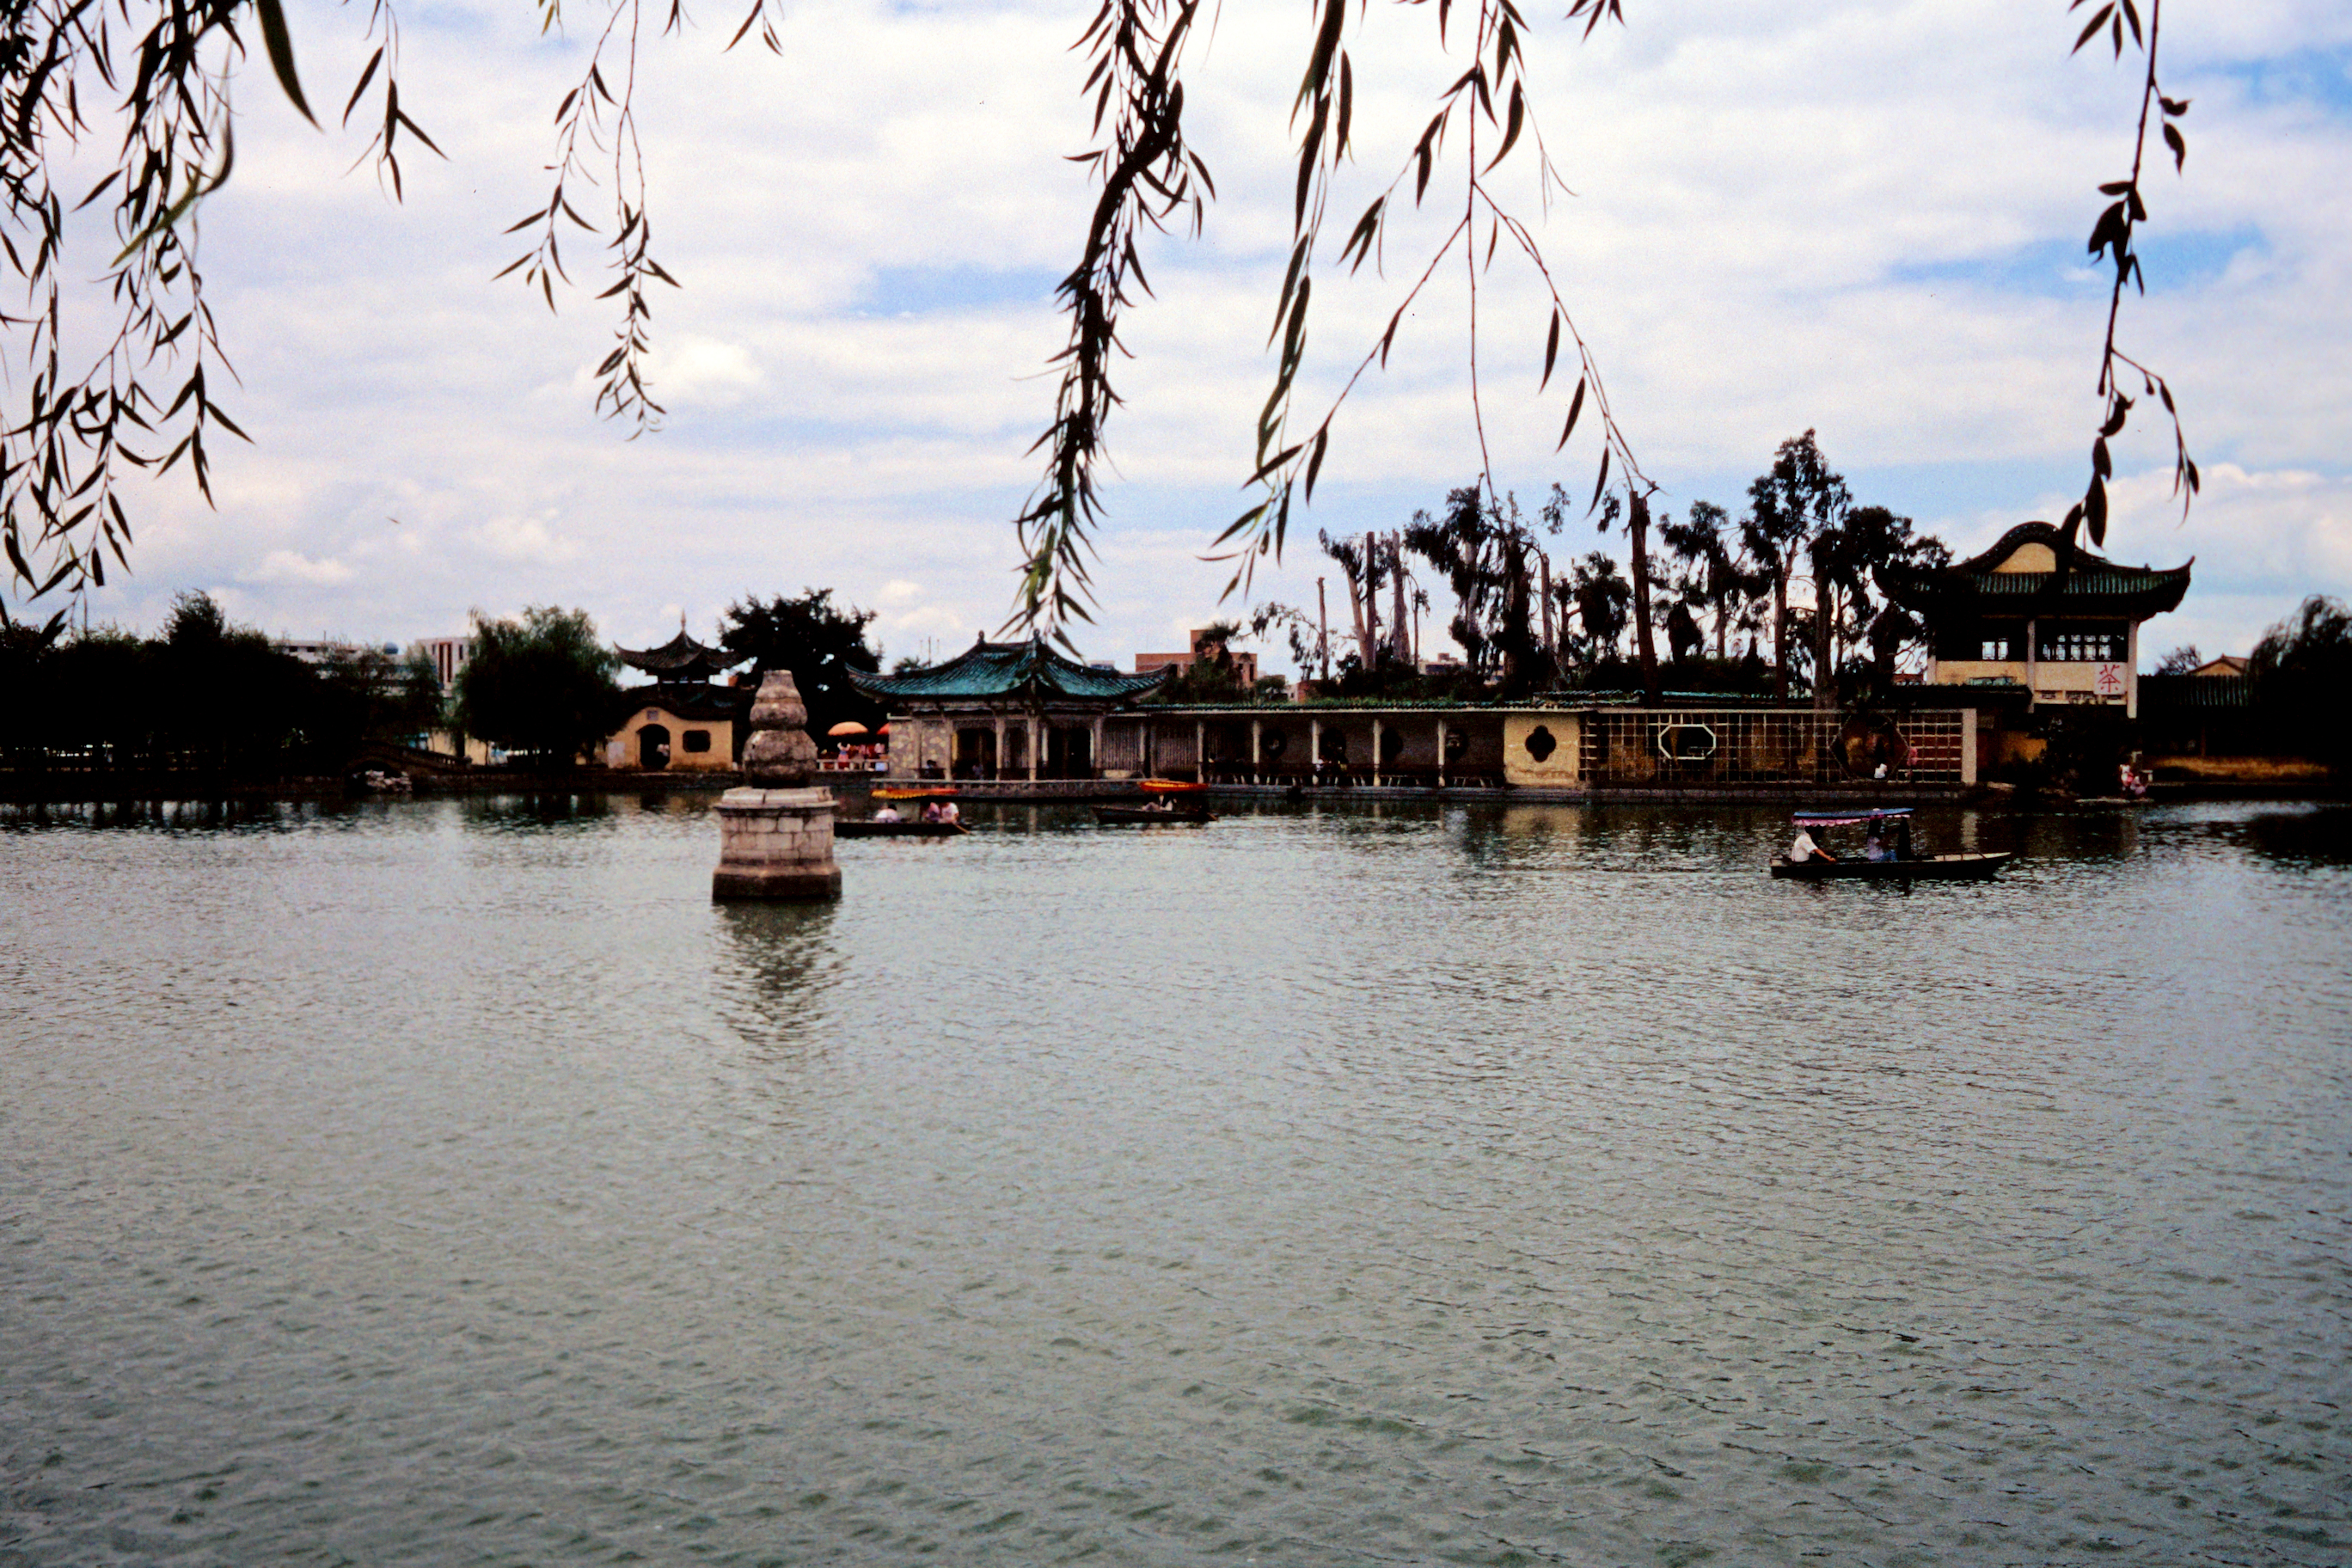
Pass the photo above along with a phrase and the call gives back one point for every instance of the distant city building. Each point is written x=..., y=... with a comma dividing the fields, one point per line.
x=326, y=651
x=449, y=654
x=1203, y=647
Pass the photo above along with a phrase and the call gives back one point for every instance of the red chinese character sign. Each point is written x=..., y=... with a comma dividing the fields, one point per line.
x=2109, y=682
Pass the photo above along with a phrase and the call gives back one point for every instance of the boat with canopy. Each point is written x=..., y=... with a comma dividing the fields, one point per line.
x=1897, y=867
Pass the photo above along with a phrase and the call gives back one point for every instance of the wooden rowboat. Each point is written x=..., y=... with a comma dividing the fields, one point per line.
x=1935, y=869
x=1143, y=816
x=866, y=828
x=906, y=791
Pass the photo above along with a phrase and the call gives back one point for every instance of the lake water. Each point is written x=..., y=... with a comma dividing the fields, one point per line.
x=452, y=1183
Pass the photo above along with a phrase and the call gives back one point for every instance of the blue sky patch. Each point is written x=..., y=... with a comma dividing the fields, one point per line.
x=2322, y=77
x=925, y=290
x=2062, y=270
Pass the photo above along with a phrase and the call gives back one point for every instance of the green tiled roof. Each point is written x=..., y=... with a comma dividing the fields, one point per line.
x=2093, y=586
x=995, y=671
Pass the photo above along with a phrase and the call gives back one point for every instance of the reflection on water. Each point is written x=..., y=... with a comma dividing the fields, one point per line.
x=435, y=1181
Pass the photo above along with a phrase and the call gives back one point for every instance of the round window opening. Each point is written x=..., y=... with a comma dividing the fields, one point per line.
x=1272, y=742
x=1541, y=744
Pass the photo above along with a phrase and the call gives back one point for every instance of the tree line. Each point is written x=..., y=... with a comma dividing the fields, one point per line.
x=1697, y=587
x=207, y=696
x=203, y=695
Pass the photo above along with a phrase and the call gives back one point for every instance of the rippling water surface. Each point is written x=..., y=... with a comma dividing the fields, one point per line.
x=449, y=1182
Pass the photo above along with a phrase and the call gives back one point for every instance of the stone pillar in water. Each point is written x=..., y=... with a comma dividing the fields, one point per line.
x=775, y=833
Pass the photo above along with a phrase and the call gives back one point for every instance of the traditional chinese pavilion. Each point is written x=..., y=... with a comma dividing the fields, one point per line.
x=685, y=721
x=1003, y=709
x=2012, y=618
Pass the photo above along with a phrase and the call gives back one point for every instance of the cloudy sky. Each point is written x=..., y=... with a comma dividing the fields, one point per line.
x=1862, y=219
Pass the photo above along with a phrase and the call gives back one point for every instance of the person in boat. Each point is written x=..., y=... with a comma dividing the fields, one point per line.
x=1902, y=839
x=932, y=813
x=1874, y=847
x=888, y=814
x=949, y=812
x=1805, y=849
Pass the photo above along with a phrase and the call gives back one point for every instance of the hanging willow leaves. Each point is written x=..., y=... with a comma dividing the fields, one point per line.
x=1494, y=75
x=2114, y=237
x=89, y=414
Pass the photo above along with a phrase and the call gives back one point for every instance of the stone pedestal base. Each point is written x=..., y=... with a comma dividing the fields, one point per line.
x=776, y=844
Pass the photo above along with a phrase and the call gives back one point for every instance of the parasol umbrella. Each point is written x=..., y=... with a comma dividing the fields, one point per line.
x=847, y=727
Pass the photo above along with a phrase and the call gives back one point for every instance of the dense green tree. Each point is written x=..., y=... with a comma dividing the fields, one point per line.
x=206, y=696
x=1486, y=551
x=2302, y=672
x=1788, y=506
x=1604, y=603
x=398, y=697
x=819, y=643
x=541, y=685
x=1714, y=578
x=1847, y=558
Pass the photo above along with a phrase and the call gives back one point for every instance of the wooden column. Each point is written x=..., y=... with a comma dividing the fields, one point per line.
x=1255, y=776
x=1441, y=753
x=1034, y=736
x=1315, y=750
x=996, y=763
x=1200, y=752
x=1094, y=757
x=1376, y=750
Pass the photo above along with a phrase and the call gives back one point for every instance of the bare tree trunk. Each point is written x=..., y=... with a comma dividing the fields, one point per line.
x=1781, y=634
x=1323, y=619
x=1638, y=526
x=1551, y=645
x=1400, y=628
x=1824, y=637
x=1356, y=611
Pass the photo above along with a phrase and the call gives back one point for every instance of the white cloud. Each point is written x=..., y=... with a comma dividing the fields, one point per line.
x=292, y=566
x=524, y=539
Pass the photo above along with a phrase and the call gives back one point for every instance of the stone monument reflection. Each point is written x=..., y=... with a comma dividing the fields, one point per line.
x=775, y=832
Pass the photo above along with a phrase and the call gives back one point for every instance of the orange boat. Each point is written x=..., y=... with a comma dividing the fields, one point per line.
x=935, y=792
x=1172, y=787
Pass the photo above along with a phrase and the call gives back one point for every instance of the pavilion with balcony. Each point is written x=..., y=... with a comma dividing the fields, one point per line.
x=2038, y=620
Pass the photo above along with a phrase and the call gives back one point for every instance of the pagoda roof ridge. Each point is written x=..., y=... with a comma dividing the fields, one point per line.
x=2085, y=583
x=1031, y=669
x=681, y=657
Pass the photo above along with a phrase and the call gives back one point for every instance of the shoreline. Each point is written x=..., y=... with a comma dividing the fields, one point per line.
x=152, y=788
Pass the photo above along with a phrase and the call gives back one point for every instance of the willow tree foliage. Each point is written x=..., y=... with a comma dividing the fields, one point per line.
x=540, y=685
x=156, y=73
